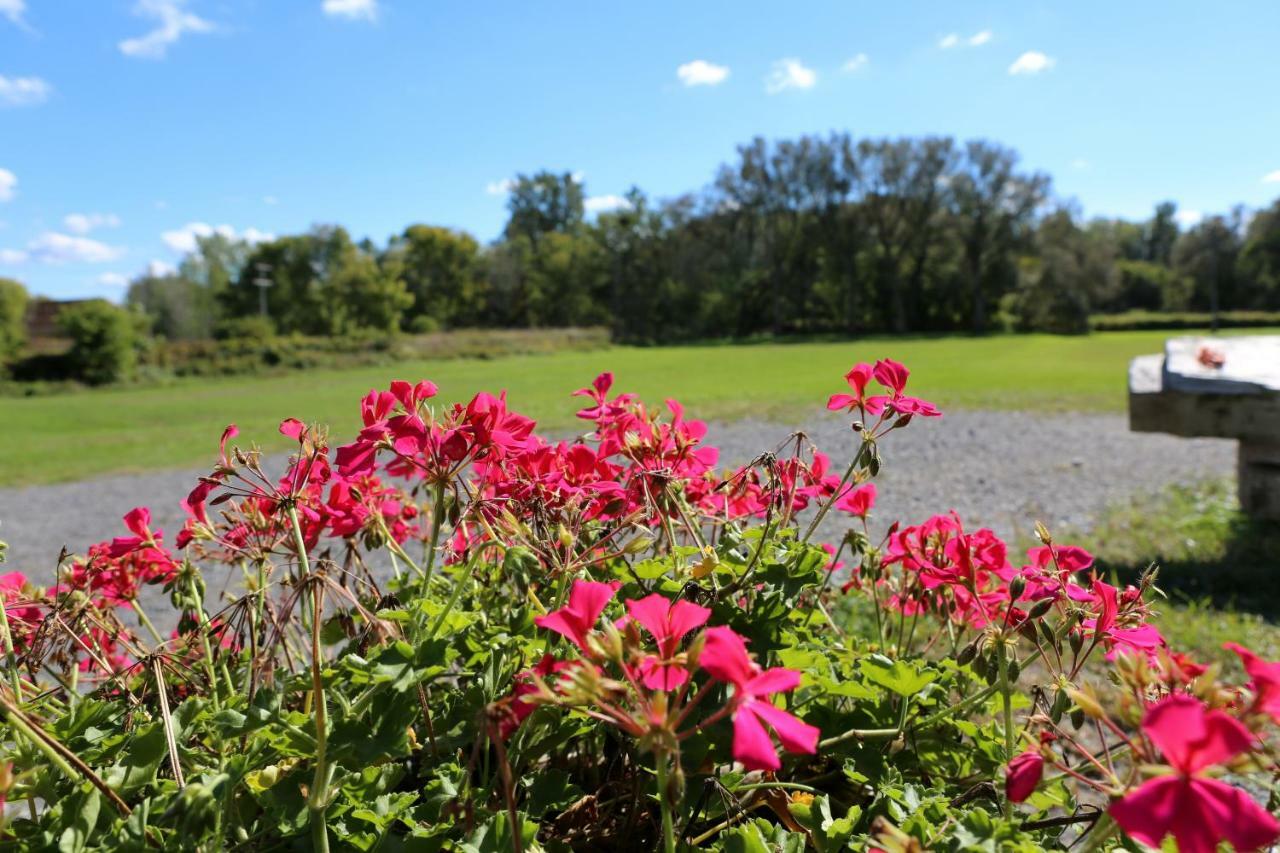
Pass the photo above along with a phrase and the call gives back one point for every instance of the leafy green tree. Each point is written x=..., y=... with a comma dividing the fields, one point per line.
x=104, y=340
x=443, y=271
x=996, y=206
x=544, y=203
x=361, y=295
x=1259, y=266
x=1162, y=233
x=13, y=318
x=179, y=308
x=1065, y=279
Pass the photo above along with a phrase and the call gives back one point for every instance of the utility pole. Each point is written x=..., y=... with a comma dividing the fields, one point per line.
x=263, y=281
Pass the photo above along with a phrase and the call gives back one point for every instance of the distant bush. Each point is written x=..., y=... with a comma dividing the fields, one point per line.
x=104, y=341
x=252, y=327
x=244, y=350
x=1131, y=321
x=13, y=310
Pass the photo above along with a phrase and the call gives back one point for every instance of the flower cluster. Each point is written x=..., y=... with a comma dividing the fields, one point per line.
x=642, y=681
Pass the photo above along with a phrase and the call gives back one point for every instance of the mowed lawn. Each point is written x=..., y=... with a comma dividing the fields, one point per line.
x=78, y=435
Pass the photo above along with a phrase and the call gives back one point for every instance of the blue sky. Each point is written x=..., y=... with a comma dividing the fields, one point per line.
x=127, y=125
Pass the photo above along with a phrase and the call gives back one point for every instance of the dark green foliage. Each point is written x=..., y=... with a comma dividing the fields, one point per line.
x=13, y=312
x=104, y=340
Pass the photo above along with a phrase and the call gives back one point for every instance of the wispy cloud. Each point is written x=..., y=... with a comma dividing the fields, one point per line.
x=978, y=39
x=185, y=239
x=12, y=256
x=1032, y=62
x=351, y=9
x=699, y=72
x=52, y=247
x=501, y=187
x=856, y=63
x=1271, y=177
x=173, y=21
x=83, y=223
x=160, y=269
x=113, y=279
x=603, y=203
x=23, y=91
x=1080, y=163
x=270, y=200
x=789, y=74
x=14, y=10
x=8, y=185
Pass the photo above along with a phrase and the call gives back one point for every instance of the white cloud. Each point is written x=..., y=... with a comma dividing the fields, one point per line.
x=501, y=187
x=113, y=279
x=54, y=248
x=1271, y=177
x=351, y=9
x=270, y=200
x=183, y=240
x=1080, y=163
x=83, y=223
x=857, y=63
x=789, y=74
x=702, y=73
x=1188, y=218
x=160, y=269
x=12, y=256
x=14, y=10
x=603, y=203
x=23, y=91
x=172, y=22
x=1032, y=62
x=978, y=39
x=8, y=185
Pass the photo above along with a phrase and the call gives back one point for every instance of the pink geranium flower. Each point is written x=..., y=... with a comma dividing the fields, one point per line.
x=858, y=377
x=724, y=657
x=668, y=623
x=587, y=600
x=1023, y=775
x=1266, y=681
x=859, y=502
x=1199, y=812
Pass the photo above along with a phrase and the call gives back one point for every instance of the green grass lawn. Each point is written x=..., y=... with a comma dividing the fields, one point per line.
x=71, y=436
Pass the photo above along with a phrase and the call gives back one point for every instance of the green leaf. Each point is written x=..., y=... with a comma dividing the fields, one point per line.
x=897, y=676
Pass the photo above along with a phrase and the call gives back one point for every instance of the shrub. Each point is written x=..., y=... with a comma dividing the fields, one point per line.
x=253, y=327
x=13, y=313
x=1150, y=320
x=104, y=341
x=606, y=644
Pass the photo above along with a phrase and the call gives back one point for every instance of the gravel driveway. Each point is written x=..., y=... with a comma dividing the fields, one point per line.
x=998, y=469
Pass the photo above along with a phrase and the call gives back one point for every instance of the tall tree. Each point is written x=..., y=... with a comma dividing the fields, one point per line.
x=544, y=203
x=996, y=206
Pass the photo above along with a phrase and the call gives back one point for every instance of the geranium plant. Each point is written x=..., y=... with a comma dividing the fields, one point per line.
x=451, y=633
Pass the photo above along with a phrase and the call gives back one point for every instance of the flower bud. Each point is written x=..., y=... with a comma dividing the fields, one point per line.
x=1040, y=608
x=1042, y=533
x=638, y=545
x=1017, y=587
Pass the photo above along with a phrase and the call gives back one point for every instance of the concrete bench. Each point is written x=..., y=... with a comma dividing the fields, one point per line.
x=1181, y=393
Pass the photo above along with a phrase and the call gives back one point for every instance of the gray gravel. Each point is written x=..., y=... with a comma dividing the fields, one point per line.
x=998, y=469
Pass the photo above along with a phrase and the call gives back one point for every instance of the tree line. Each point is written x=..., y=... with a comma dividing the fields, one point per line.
x=813, y=235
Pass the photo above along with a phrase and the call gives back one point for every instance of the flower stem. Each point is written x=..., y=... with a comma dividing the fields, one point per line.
x=664, y=803
x=437, y=519
x=826, y=507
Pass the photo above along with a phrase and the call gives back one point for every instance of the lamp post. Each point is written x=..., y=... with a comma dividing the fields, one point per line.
x=263, y=281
